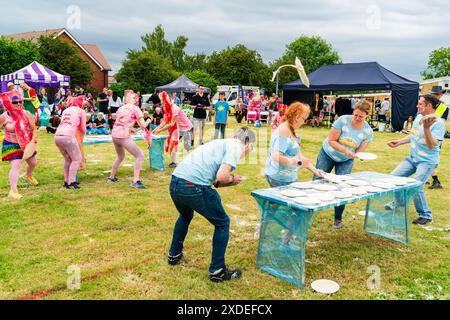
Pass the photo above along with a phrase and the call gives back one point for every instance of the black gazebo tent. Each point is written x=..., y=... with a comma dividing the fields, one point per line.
x=182, y=85
x=359, y=77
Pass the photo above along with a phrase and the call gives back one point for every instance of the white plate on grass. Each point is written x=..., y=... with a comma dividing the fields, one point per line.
x=357, y=183
x=325, y=187
x=290, y=193
x=366, y=156
x=307, y=201
x=325, y=286
x=355, y=191
x=340, y=194
x=383, y=185
x=302, y=185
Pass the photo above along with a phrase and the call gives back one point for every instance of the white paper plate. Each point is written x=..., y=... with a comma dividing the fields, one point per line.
x=307, y=201
x=346, y=178
x=302, y=185
x=340, y=194
x=325, y=286
x=323, y=196
x=325, y=187
x=366, y=156
x=357, y=183
x=293, y=193
x=332, y=178
x=383, y=185
x=355, y=191
x=372, y=189
x=395, y=181
x=410, y=180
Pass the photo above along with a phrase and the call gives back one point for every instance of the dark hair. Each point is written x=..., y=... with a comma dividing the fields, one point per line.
x=115, y=96
x=221, y=93
x=429, y=98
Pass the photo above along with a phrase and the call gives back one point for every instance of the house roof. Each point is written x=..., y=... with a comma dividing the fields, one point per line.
x=34, y=35
x=97, y=54
x=90, y=49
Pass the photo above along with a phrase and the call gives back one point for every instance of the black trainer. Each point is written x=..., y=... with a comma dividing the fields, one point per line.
x=73, y=186
x=435, y=185
x=173, y=261
x=225, y=274
x=422, y=221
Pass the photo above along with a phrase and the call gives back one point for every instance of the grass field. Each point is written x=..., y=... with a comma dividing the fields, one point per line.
x=119, y=237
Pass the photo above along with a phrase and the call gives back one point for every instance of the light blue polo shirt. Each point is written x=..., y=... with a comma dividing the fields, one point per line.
x=289, y=148
x=350, y=138
x=201, y=166
x=419, y=149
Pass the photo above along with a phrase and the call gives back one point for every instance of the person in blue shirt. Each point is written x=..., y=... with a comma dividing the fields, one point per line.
x=349, y=135
x=285, y=157
x=175, y=99
x=222, y=109
x=425, y=139
x=191, y=190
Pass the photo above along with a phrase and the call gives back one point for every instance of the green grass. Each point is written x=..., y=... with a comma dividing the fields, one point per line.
x=119, y=237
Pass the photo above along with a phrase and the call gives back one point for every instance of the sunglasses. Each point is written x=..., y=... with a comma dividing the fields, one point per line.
x=17, y=102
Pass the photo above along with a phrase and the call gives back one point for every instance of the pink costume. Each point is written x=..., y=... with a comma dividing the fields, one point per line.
x=183, y=124
x=256, y=106
x=126, y=116
x=73, y=121
x=18, y=134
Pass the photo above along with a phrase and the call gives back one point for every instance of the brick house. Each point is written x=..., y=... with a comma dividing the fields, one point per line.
x=89, y=52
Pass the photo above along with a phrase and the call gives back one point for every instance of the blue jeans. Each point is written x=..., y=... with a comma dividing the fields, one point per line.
x=325, y=163
x=102, y=131
x=220, y=128
x=422, y=172
x=189, y=197
x=275, y=183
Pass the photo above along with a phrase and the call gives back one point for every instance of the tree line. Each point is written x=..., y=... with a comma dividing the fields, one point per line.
x=160, y=61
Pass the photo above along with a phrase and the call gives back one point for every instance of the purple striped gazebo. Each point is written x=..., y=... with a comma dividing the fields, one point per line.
x=36, y=75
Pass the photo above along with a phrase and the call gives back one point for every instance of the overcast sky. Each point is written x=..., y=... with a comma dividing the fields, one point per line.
x=397, y=34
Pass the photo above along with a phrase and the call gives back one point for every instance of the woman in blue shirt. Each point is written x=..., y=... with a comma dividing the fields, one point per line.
x=350, y=134
x=285, y=157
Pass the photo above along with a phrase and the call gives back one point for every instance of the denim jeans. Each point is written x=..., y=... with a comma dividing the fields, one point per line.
x=325, y=163
x=422, y=172
x=220, y=128
x=275, y=183
x=189, y=197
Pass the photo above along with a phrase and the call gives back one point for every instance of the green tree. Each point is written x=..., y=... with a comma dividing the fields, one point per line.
x=438, y=64
x=314, y=52
x=145, y=70
x=61, y=56
x=174, y=51
x=195, y=62
x=239, y=65
x=203, y=78
x=15, y=55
